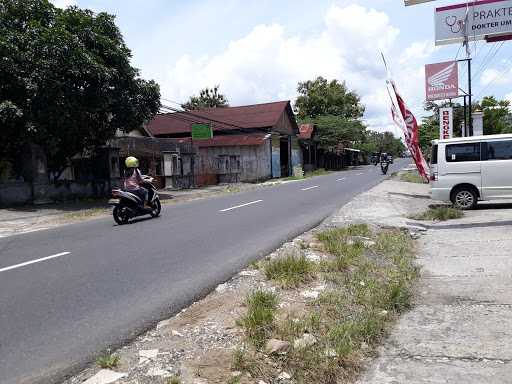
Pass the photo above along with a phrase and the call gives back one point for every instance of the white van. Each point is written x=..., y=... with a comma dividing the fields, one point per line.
x=467, y=169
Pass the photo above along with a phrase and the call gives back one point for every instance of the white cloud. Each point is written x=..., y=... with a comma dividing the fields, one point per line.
x=417, y=50
x=63, y=3
x=266, y=64
x=496, y=77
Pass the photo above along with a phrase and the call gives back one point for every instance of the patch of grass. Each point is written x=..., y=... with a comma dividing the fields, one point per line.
x=317, y=172
x=411, y=177
x=307, y=175
x=85, y=213
x=258, y=322
x=108, y=360
x=290, y=270
x=439, y=214
x=339, y=243
x=243, y=360
x=254, y=265
x=174, y=380
x=369, y=285
x=232, y=189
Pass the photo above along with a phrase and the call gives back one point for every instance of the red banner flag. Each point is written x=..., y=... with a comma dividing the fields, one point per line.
x=408, y=124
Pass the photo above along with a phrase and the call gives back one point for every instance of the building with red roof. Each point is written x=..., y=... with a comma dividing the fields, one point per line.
x=249, y=143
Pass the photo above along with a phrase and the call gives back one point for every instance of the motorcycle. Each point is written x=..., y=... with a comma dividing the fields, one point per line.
x=128, y=205
x=384, y=165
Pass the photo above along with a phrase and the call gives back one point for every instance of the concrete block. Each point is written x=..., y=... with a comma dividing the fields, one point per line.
x=105, y=376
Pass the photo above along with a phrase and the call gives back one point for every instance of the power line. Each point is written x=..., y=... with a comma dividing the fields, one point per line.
x=484, y=65
x=225, y=123
x=493, y=81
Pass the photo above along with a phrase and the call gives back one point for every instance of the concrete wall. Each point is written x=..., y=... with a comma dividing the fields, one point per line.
x=15, y=193
x=19, y=193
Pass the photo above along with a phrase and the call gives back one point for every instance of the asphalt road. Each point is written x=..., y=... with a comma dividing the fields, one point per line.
x=70, y=292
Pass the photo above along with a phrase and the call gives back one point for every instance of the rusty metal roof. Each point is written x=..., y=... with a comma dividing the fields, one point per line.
x=232, y=140
x=243, y=117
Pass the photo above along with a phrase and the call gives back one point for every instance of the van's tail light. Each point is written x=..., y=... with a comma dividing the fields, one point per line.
x=433, y=176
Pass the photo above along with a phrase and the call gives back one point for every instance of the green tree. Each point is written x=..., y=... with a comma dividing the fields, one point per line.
x=66, y=82
x=333, y=108
x=428, y=131
x=381, y=142
x=208, y=98
x=321, y=97
x=497, y=117
x=333, y=130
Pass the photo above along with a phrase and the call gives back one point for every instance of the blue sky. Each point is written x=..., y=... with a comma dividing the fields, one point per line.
x=258, y=50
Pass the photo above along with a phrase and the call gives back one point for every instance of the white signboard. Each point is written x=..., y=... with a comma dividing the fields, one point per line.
x=478, y=123
x=445, y=123
x=485, y=18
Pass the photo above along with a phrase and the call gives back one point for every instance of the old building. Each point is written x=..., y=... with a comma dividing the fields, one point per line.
x=250, y=143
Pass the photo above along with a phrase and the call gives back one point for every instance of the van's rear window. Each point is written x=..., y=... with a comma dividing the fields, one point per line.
x=434, y=154
x=463, y=152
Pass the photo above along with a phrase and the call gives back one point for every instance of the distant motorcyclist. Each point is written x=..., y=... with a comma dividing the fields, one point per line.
x=133, y=179
x=384, y=162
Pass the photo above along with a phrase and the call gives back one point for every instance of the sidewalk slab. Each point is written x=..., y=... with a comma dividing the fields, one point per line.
x=397, y=370
x=478, y=331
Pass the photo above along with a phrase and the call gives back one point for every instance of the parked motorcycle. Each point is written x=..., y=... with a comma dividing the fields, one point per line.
x=129, y=205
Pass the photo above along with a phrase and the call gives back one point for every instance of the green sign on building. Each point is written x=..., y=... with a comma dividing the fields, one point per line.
x=201, y=131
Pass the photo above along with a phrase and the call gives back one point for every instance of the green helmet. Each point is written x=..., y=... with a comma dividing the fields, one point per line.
x=131, y=162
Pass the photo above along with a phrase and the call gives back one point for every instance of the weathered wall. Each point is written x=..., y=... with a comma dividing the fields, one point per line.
x=233, y=164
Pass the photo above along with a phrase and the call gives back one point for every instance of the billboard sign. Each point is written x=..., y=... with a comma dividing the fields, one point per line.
x=445, y=123
x=201, y=131
x=442, y=80
x=414, y=2
x=485, y=18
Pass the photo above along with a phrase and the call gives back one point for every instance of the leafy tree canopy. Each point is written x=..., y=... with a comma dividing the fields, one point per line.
x=497, y=117
x=208, y=98
x=332, y=130
x=321, y=97
x=377, y=142
x=66, y=82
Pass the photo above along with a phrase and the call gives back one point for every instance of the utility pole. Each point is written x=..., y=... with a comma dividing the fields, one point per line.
x=468, y=121
x=469, y=97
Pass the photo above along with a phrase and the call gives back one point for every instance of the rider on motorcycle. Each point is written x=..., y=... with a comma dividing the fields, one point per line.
x=133, y=180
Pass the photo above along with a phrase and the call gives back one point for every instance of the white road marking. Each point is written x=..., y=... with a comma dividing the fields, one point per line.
x=343, y=178
x=241, y=205
x=359, y=174
x=34, y=261
x=307, y=189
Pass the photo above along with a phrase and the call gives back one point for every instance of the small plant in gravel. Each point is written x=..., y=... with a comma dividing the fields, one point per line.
x=289, y=270
x=108, y=360
x=258, y=322
x=412, y=177
x=439, y=214
x=174, y=380
x=368, y=286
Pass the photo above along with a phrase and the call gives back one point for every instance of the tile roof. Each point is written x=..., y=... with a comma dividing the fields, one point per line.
x=228, y=118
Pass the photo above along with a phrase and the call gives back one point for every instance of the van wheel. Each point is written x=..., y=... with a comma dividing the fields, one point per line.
x=464, y=198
